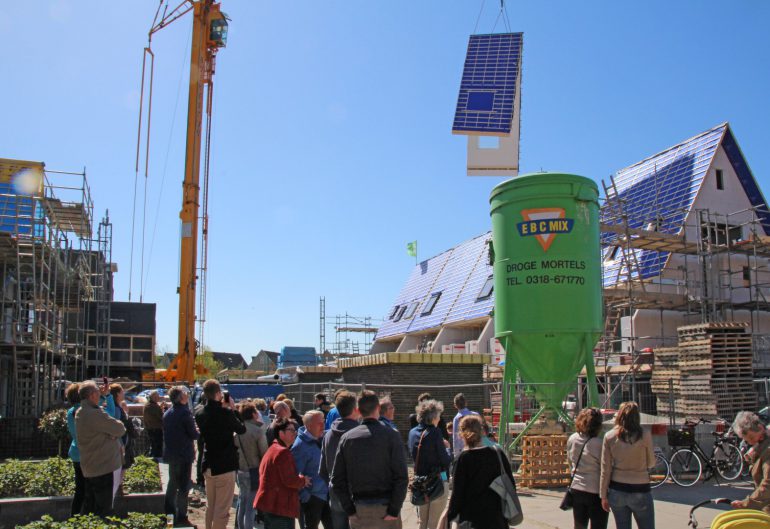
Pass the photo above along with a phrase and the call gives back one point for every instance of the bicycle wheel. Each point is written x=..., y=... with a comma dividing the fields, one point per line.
x=686, y=467
x=729, y=461
x=659, y=473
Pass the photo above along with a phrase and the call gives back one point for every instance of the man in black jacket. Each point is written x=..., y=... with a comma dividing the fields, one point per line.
x=369, y=476
x=217, y=423
x=346, y=405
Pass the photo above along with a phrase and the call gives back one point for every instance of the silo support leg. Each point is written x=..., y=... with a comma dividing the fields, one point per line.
x=593, y=390
x=529, y=424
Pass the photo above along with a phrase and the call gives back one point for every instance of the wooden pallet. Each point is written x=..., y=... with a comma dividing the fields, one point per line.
x=544, y=461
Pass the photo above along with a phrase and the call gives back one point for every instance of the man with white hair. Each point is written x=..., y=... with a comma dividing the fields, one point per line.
x=314, y=499
x=281, y=409
x=153, y=423
x=750, y=428
x=101, y=457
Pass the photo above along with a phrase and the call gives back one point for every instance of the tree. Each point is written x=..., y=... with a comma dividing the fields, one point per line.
x=207, y=360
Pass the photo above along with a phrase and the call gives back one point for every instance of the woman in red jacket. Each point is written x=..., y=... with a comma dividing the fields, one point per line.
x=279, y=483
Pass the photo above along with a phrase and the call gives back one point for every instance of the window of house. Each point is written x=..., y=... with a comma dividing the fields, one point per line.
x=393, y=313
x=612, y=254
x=400, y=313
x=431, y=303
x=720, y=180
x=747, y=275
x=718, y=233
x=410, y=310
x=487, y=289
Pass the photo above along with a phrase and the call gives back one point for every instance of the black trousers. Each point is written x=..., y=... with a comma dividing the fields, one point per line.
x=98, y=498
x=156, y=442
x=80, y=490
x=315, y=511
x=588, y=507
x=199, y=464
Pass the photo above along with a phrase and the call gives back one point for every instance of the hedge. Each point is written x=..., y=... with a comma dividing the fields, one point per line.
x=134, y=521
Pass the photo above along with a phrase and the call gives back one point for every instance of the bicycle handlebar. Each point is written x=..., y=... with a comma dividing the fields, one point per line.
x=693, y=522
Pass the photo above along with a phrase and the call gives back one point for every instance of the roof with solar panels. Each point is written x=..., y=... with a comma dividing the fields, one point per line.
x=455, y=287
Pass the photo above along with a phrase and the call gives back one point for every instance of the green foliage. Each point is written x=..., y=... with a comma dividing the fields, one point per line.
x=134, y=521
x=51, y=477
x=142, y=476
x=56, y=477
x=13, y=476
x=54, y=424
x=206, y=359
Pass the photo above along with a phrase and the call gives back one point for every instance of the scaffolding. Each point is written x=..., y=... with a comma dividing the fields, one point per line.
x=52, y=267
x=701, y=265
x=353, y=335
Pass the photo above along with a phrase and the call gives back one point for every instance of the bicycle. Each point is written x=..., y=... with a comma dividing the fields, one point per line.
x=686, y=463
x=661, y=471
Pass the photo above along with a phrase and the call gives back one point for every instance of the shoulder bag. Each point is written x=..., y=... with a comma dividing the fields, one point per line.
x=569, y=499
x=504, y=487
x=253, y=471
x=427, y=487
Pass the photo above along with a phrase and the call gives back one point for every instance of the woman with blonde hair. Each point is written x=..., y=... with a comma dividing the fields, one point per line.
x=584, y=448
x=627, y=456
x=472, y=501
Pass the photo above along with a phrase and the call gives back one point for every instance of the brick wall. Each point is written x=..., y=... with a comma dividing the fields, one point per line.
x=405, y=399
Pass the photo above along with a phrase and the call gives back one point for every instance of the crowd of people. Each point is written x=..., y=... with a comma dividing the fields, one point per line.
x=351, y=472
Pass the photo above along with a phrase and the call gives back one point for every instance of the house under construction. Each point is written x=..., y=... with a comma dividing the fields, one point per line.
x=684, y=241
x=57, y=298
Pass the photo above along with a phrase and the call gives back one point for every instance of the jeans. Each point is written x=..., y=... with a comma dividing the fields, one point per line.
x=244, y=512
x=624, y=504
x=339, y=516
x=588, y=506
x=273, y=521
x=177, y=489
x=80, y=490
x=99, y=497
x=315, y=512
x=156, y=443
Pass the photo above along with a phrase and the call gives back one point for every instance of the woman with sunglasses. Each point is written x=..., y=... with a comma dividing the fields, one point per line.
x=279, y=482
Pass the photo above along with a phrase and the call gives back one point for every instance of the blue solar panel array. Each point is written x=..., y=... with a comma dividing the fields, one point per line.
x=16, y=211
x=488, y=87
x=657, y=193
x=458, y=274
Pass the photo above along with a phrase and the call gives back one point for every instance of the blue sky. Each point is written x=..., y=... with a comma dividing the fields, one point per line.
x=332, y=142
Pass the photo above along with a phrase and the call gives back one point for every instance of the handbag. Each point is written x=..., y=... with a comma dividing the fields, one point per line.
x=569, y=499
x=253, y=471
x=504, y=487
x=428, y=487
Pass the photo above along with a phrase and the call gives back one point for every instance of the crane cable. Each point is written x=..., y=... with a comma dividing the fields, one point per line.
x=205, y=217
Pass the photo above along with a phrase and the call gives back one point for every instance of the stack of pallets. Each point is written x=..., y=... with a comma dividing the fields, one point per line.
x=711, y=372
x=544, y=461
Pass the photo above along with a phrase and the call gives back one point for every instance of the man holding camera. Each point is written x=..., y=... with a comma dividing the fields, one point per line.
x=217, y=423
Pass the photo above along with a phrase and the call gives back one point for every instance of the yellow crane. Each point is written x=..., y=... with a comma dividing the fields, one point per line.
x=209, y=33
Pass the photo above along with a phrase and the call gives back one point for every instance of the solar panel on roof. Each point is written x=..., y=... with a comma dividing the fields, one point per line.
x=490, y=79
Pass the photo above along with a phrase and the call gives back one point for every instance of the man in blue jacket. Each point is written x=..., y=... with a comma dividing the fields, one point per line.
x=314, y=499
x=179, y=433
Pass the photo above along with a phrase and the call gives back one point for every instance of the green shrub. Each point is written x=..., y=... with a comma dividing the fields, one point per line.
x=52, y=477
x=142, y=476
x=134, y=521
x=56, y=477
x=13, y=476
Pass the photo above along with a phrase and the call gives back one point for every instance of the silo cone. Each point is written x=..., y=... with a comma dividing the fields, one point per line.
x=548, y=290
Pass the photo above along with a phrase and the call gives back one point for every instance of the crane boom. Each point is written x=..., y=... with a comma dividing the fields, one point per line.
x=208, y=35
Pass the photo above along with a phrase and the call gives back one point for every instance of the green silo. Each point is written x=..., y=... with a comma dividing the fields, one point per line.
x=548, y=285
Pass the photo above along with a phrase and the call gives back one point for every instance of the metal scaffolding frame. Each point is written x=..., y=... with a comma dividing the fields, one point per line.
x=51, y=268
x=697, y=273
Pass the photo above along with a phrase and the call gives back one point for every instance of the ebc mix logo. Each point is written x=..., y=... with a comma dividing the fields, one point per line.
x=544, y=224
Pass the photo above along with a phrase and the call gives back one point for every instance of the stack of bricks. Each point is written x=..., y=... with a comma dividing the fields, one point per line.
x=710, y=371
x=544, y=461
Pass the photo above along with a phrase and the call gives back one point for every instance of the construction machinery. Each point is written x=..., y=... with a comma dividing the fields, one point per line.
x=209, y=34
